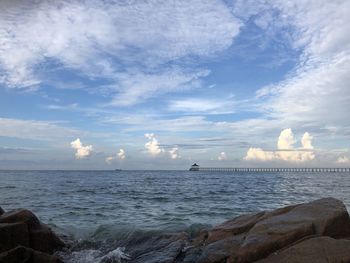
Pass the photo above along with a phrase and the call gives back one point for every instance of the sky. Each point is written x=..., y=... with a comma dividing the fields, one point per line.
x=162, y=84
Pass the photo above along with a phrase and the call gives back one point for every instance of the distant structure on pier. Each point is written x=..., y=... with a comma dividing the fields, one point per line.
x=196, y=167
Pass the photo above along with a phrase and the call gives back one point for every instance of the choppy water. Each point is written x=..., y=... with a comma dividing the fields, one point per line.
x=95, y=205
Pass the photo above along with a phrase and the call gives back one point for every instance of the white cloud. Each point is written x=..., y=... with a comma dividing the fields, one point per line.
x=343, y=160
x=152, y=145
x=319, y=82
x=136, y=87
x=222, y=156
x=286, y=140
x=35, y=130
x=120, y=155
x=306, y=141
x=96, y=37
x=174, y=153
x=258, y=154
x=211, y=106
x=285, y=150
x=81, y=150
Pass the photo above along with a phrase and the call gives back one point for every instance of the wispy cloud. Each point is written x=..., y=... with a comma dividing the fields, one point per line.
x=133, y=88
x=204, y=106
x=113, y=41
x=318, y=83
x=35, y=130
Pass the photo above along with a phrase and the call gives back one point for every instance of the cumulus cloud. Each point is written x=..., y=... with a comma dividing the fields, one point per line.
x=174, y=153
x=119, y=156
x=81, y=150
x=343, y=160
x=222, y=156
x=152, y=146
x=285, y=150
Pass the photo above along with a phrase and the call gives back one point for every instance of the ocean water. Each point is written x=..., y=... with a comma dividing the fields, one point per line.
x=90, y=207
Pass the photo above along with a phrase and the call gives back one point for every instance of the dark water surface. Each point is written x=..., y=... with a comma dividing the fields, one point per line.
x=85, y=204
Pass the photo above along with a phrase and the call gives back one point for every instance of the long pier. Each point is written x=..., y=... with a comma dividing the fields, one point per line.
x=258, y=170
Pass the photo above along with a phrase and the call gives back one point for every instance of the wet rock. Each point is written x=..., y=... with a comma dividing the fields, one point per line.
x=22, y=227
x=27, y=255
x=313, y=250
x=1, y=211
x=220, y=250
x=167, y=254
x=156, y=247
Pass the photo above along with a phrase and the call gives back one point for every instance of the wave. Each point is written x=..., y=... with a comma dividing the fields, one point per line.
x=117, y=244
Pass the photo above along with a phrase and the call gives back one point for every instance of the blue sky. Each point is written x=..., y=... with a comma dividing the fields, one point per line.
x=162, y=84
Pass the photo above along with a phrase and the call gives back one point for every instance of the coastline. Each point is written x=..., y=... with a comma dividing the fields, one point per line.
x=307, y=232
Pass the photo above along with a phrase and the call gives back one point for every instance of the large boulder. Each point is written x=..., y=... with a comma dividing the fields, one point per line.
x=327, y=217
x=255, y=236
x=313, y=250
x=22, y=227
x=1, y=211
x=27, y=255
x=12, y=235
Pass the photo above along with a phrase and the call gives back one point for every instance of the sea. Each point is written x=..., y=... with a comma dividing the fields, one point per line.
x=90, y=207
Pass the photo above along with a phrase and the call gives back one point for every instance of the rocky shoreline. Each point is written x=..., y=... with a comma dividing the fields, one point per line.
x=318, y=231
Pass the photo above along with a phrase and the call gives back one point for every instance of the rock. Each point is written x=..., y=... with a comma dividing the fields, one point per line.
x=12, y=235
x=233, y=227
x=252, y=237
x=313, y=250
x=1, y=211
x=20, y=216
x=27, y=255
x=22, y=227
x=155, y=247
x=220, y=250
x=327, y=216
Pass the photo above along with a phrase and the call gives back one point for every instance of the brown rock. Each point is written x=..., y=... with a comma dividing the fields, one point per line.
x=242, y=224
x=233, y=227
x=220, y=250
x=266, y=238
x=22, y=227
x=26, y=255
x=251, y=237
x=45, y=240
x=12, y=235
x=313, y=250
x=327, y=216
x=20, y=216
